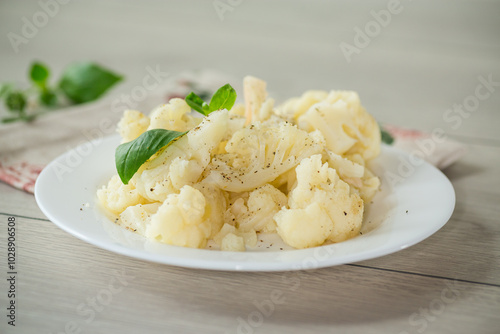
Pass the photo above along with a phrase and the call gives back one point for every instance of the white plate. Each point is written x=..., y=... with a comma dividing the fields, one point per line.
x=415, y=201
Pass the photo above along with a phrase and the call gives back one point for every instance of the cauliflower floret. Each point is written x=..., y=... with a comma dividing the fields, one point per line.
x=132, y=124
x=258, y=154
x=295, y=107
x=116, y=196
x=225, y=230
x=173, y=116
x=180, y=220
x=321, y=185
x=344, y=166
x=137, y=217
x=238, y=109
x=184, y=161
x=215, y=207
x=258, y=211
x=233, y=242
x=257, y=106
x=230, y=243
x=366, y=186
x=351, y=169
x=303, y=228
x=347, y=127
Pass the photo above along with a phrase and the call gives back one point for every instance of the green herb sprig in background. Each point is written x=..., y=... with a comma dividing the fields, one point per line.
x=80, y=82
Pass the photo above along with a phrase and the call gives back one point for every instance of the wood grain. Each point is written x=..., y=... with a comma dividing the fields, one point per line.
x=158, y=297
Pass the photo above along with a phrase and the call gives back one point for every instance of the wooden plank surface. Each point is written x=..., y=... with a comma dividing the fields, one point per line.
x=429, y=58
x=156, y=297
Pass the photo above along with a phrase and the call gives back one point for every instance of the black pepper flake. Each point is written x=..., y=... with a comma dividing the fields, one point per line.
x=345, y=213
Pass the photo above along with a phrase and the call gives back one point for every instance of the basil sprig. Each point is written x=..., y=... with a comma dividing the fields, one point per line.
x=80, y=82
x=129, y=157
x=223, y=98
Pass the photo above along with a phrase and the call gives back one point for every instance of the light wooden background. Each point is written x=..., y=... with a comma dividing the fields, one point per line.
x=428, y=58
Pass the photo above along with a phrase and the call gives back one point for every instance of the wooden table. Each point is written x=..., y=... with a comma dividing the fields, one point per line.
x=425, y=58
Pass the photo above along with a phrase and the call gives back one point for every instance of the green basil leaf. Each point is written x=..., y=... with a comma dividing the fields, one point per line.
x=386, y=137
x=129, y=157
x=48, y=98
x=39, y=73
x=195, y=102
x=15, y=101
x=86, y=81
x=223, y=98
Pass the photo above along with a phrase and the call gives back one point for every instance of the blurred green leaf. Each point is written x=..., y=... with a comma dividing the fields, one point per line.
x=48, y=98
x=86, y=81
x=39, y=73
x=386, y=137
x=15, y=101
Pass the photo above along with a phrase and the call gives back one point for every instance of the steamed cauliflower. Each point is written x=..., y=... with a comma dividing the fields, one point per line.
x=299, y=170
x=256, y=213
x=229, y=238
x=173, y=116
x=303, y=228
x=132, y=125
x=137, y=217
x=215, y=205
x=339, y=211
x=258, y=154
x=295, y=107
x=258, y=107
x=180, y=220
x=353, y=171
x=116, y=196
x=347, y=127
